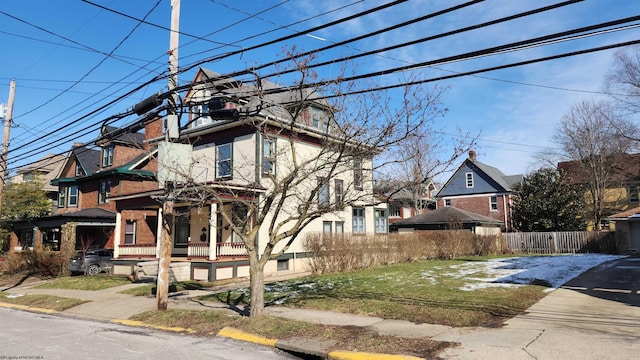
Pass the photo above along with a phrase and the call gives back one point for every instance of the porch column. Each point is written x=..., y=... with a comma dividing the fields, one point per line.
x=159, y=234
x=213, y=233
x=116, y=235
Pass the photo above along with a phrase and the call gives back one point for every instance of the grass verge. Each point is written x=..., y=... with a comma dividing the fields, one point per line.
x=42, y=301
x=148, y=290
x=84, y=282
x=350, y=338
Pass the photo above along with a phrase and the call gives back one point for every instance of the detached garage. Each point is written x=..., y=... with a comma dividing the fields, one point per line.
x=627, y=231
x=449, y=218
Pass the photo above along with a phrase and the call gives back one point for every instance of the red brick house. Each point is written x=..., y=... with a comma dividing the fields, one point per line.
x=83, y=217
x=481, y=189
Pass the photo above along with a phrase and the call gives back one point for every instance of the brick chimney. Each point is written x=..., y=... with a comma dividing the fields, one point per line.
x=153, y=129
x=472, y=155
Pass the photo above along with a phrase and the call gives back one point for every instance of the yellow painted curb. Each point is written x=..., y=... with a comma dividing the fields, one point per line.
x=158, y=327
x=28, y=308
x=354, y=355
x=241, y=335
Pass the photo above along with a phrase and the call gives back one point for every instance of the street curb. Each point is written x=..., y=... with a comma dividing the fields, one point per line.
x=237, y=334
x=233, y=333
x=28, y=308
x=157, y=327
x=354, y=355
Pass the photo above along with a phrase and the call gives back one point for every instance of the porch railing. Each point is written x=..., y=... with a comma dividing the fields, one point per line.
x=196, y=250
x=231, y=249
x=138, y=250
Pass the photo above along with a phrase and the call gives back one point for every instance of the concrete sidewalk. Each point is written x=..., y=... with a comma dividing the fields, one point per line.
x=586, y=319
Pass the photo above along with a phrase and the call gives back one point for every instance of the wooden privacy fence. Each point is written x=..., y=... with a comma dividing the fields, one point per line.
x=561, y=242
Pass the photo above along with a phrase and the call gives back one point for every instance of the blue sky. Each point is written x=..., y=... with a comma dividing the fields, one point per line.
x=55, y=50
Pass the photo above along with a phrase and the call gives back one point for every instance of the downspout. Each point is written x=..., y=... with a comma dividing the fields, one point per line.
x=504, y=205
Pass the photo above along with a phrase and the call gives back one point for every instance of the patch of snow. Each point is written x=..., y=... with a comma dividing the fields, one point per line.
x=552, y=270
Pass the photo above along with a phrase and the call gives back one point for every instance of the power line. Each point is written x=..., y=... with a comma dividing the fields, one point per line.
x=369, y=11
x=377, y=89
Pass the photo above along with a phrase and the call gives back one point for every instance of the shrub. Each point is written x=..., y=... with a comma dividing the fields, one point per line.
x=45, y=263
x=348, y=252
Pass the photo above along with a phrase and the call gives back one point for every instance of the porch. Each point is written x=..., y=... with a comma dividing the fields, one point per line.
x=195, y=251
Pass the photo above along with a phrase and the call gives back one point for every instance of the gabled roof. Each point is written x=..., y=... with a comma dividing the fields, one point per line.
x=272, y=97
x=89, y=159
x=498, y=176
x=626, y=167
x=129, y=168
x=47, y=168
x=505, y=182
x=447, y=215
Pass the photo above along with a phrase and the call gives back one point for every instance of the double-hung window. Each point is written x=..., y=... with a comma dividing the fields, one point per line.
x=103, y=193
x=62, y=192
x=358, y=220
x=357, y=173
x=339, y=194
x=107, y=156
x=224, y=161
x=493, y=203
x=73, y=196
x=130, y=232
x=469, y=178
x=200, y=115
x=268, y=156
x=323, y=193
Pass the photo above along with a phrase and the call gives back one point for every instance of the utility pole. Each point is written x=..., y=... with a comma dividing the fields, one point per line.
x=5, y=141
x=164, y=263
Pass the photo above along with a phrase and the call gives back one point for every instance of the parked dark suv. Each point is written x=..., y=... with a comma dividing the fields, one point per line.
x=94, y=262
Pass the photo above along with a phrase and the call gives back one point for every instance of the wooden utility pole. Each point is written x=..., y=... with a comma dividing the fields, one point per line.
x=5, y=141
x=164, y=263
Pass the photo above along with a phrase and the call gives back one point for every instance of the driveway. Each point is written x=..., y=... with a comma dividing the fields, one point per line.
x=594, y=316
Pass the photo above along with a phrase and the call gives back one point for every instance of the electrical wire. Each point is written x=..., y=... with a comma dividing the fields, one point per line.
x=377, y=89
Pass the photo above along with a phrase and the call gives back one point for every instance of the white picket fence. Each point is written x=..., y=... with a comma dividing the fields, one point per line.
x=561, y=242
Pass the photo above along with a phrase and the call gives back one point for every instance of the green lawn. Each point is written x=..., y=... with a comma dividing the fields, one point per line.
x=85, y=282
x=422, y=292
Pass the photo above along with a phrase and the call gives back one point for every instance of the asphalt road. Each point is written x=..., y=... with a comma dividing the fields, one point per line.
x=25, y=335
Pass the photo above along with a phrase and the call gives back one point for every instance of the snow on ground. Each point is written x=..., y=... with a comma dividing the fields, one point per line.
x=553, y=271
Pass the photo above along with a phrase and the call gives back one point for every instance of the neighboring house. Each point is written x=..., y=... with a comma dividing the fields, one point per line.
x=627, y=225
x=622, y=191
x=43, y=170
x=481, y=189
x=84, y=218
x=236, y=157
x=403, y=201
x=449, y=218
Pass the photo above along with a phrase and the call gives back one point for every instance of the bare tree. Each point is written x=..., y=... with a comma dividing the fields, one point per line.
x=596, y=138
x=623, y=80
x=318, y=163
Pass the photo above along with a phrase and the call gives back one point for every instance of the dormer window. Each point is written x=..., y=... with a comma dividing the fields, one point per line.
x=107, y=156
x=200, y=115
x=319, y=119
